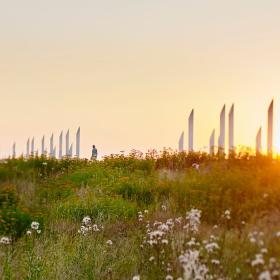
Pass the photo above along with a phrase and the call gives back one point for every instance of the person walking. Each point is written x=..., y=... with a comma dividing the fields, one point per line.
x=94, y=153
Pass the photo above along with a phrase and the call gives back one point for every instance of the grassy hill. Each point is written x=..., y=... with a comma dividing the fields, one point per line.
x=152, y=217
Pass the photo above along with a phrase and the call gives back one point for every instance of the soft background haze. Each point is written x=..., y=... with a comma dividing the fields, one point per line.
x=129, y=72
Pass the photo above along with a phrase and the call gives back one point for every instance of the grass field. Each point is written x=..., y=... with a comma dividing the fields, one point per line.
x=141, y=217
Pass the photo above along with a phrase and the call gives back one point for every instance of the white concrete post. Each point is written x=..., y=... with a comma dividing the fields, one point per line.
x=231, y=130
x=191, y=129
x=78, y=140
x=270, y=129
x=181, y=142
x=67, y=144
x=60, y=145
x=43, y=146
x=259, y=141
x=28, y=148
x=212, y=143
x=221, y=144
x=51, y=146
x=32, y=147
x=14, y=150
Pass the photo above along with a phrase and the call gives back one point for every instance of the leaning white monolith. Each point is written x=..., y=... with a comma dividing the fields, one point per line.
x=43, y=146
x=67, y=144
x=221, y=144
x=70, y=151
x=191, y=129
x=270, y=129
x=259, y=141
x=51, y=146
x=32, y=147
x=181, y=142
x=78, y=140
x=14, y=150
x=212, y=143
x=28, y=148
x=60, y=145
x=231, y=130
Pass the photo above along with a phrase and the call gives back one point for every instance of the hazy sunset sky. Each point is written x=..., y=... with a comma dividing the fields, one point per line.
x=129, y=72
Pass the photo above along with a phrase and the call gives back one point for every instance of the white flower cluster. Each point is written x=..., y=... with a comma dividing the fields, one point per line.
x=5, y=240
x=88, y=227
x=192, y=266
x=34, y=228
x=227, y=215
x=264, y=270
x=193, y=220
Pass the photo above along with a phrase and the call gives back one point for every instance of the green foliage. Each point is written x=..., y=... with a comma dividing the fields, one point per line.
x=13, y=218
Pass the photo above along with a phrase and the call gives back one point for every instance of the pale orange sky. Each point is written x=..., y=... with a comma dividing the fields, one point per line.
x=129, y=72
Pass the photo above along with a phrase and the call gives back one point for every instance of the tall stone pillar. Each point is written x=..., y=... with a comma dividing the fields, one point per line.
x=60, y=145
x=14, y=150
x=28, y=148
x=43, y=151
x=231, y=130
x=78, y=142
x=32, y=147
x=67, y=144
x=181, y=142
x=212, y=143
x=259, y=141
x=221, y=144
x=51, y=146
x=270, y=130
x=191, y=129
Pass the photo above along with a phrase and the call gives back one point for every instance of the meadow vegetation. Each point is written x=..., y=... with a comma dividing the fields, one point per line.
x=161, y=215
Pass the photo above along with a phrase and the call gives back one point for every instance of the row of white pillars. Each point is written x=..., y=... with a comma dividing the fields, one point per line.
x=30, y=147
x=222, y=136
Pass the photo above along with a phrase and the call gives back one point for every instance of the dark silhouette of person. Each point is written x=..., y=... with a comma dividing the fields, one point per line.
x=94, y=152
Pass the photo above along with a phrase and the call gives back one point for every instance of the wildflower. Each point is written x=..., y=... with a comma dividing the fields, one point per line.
x=109, y=242
x=35, y=225
x=168, y=277
x=45, y=163
x=5, y=240
x=163, y=207
x=86, y=220
x=264, y=251
x=146, y=211
x=227, y=214
x=216, y=262
x=243, y=223
x=258, y=260
x=196, y=166
x=193, y=218
x=136, y=277
x=95, y=228
x=215, y=226
x=265, y=275
x=164, y=241
x=152, y=258
x=29, y=232
x=210, y=247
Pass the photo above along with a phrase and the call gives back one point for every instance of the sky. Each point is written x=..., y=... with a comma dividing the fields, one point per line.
x=129, y=72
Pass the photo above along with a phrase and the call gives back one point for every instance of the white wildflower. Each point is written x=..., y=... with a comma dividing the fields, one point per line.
x=35, y=225
x=265, y=275
x=109, y=242
x=168, y=277
x=136, y=277
x=5, y=240
x=86, y=221
x=258, y=260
